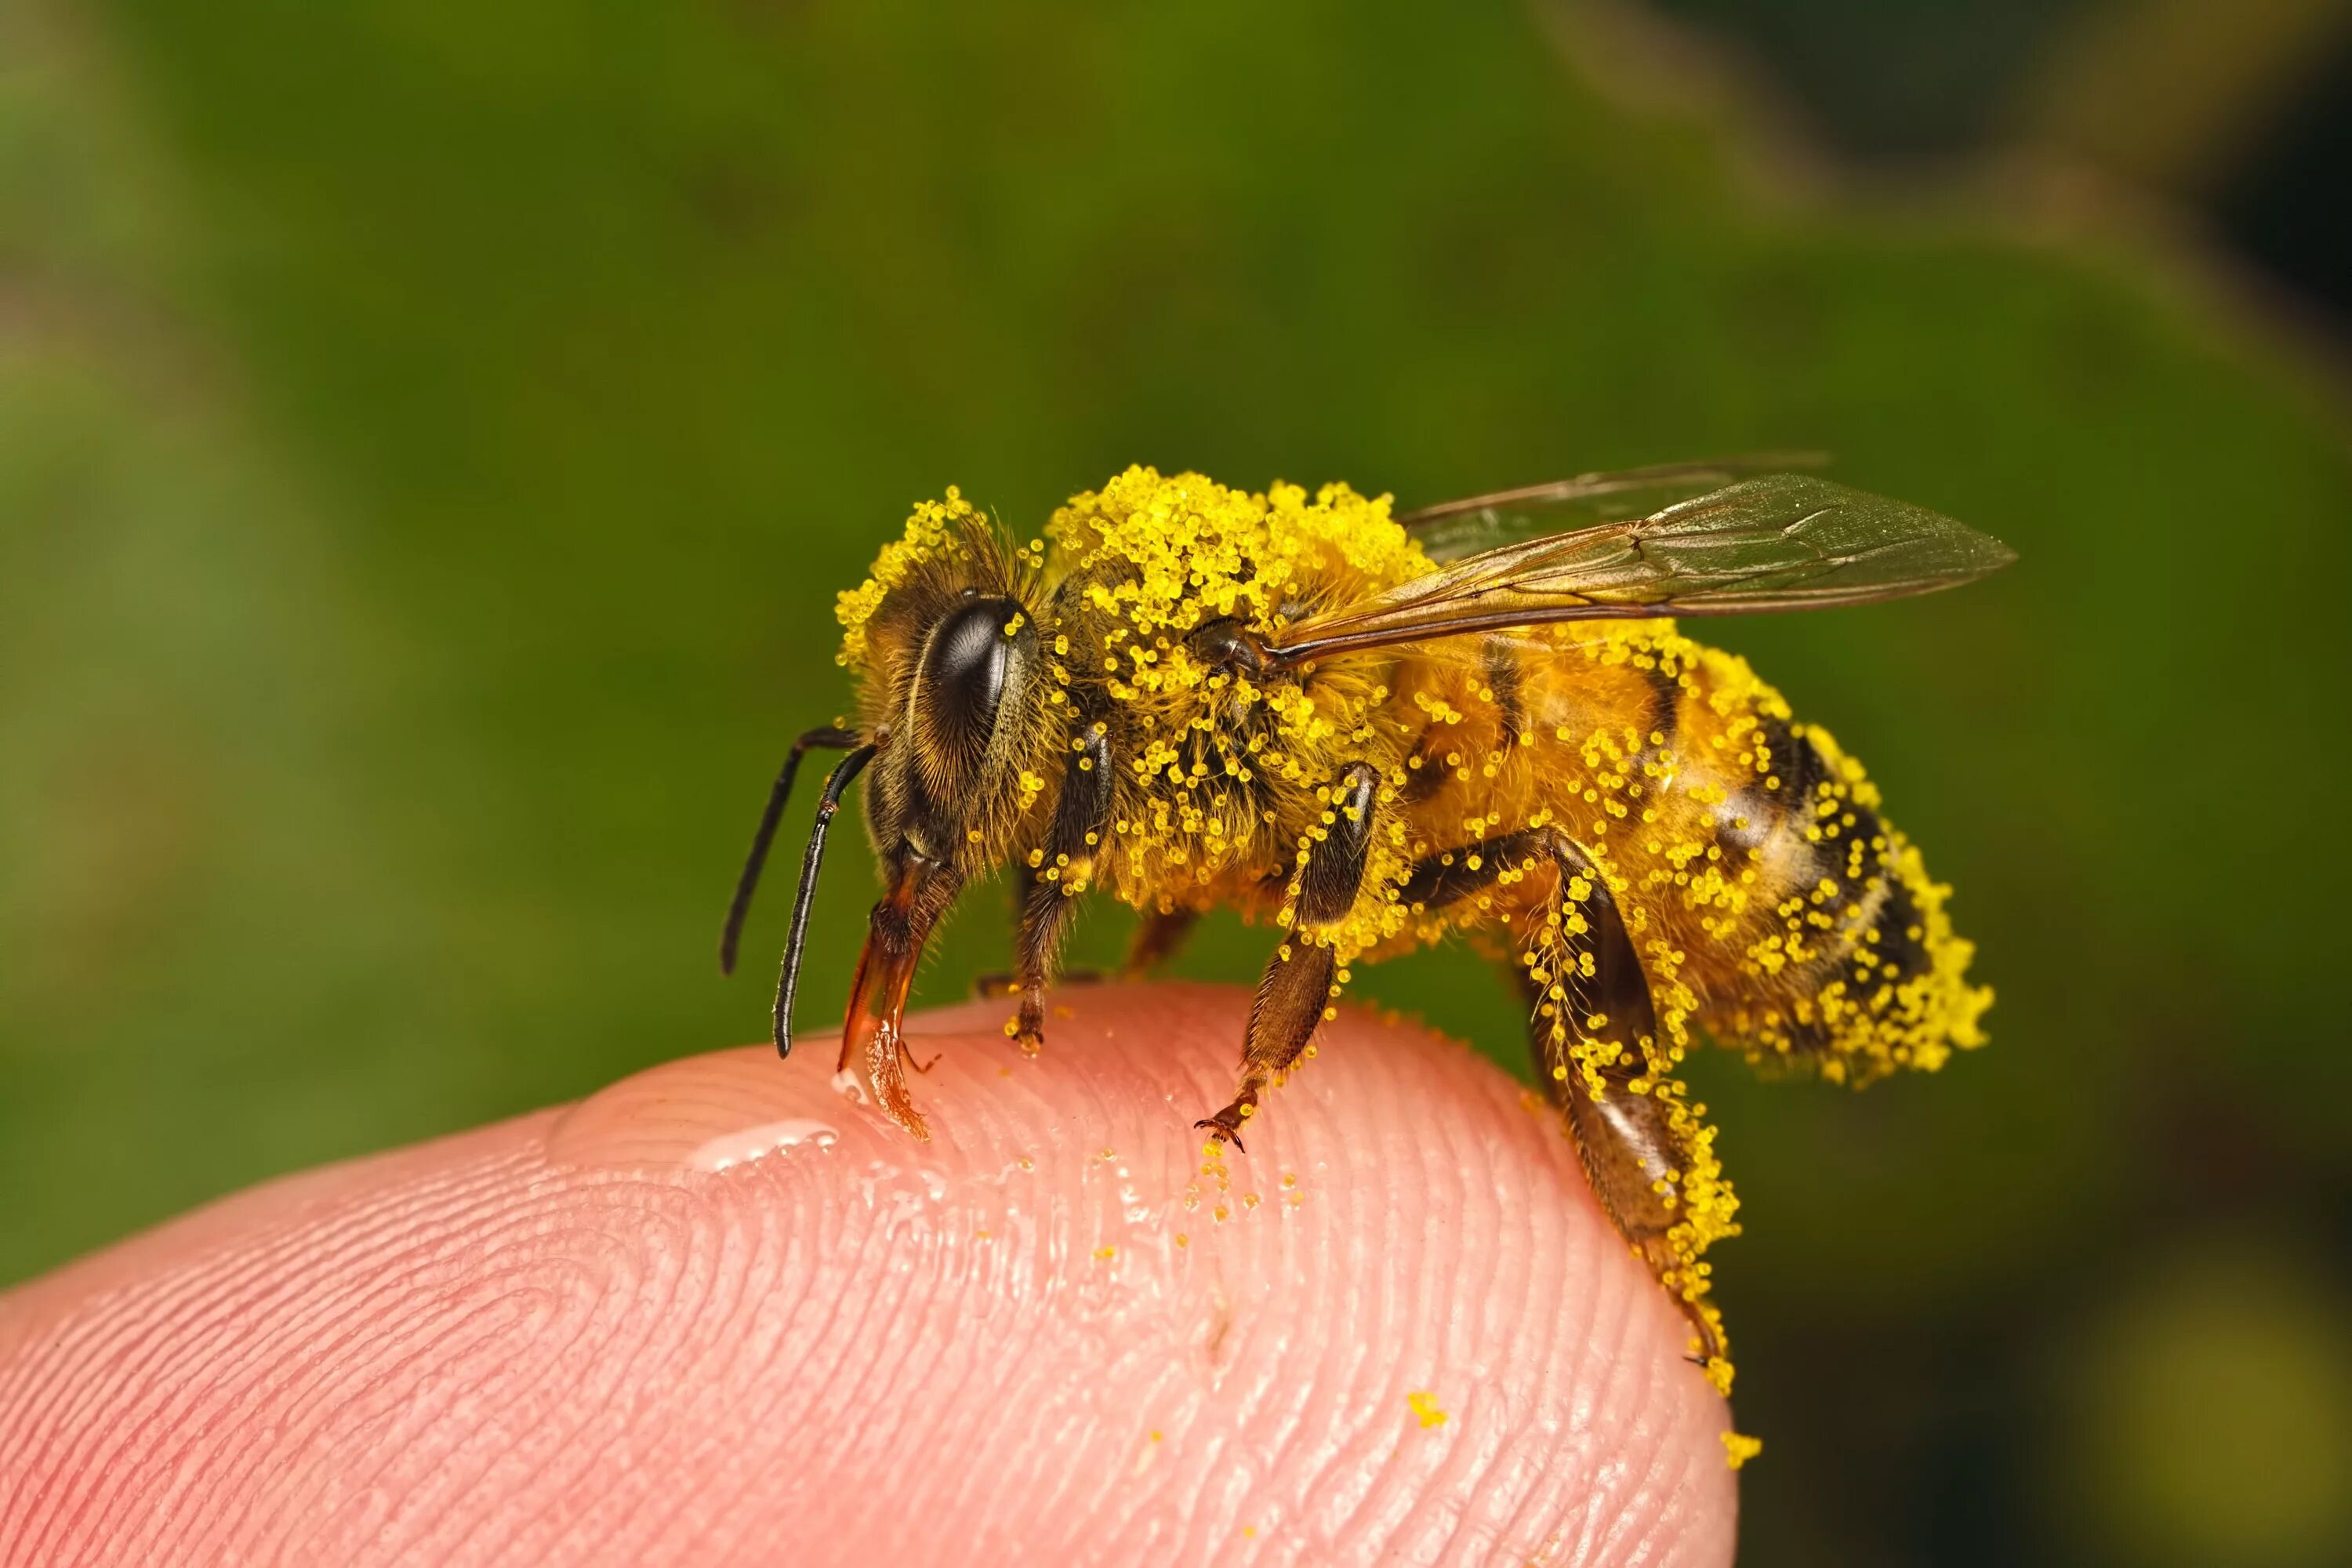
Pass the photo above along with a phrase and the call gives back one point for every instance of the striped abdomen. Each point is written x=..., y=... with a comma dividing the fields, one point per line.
x=1770, y=899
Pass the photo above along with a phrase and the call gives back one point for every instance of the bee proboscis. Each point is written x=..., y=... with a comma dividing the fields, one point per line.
x=1373, y=731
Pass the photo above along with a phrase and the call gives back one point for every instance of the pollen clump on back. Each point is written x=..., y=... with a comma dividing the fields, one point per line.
x=1189, y=550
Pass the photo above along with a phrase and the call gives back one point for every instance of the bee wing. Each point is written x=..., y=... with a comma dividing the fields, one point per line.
x=1454, y=529
x=1782, y=541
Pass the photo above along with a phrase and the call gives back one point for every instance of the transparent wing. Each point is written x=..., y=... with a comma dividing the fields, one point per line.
x=1782, y=541
x=1454, y=529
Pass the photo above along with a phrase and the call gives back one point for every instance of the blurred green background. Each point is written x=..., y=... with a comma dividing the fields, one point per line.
x=432, y=436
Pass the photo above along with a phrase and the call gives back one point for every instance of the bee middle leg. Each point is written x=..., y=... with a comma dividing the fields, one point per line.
x=1157, y=940
x=1050, y=890
x=1296, y=991
x=1594, y=1036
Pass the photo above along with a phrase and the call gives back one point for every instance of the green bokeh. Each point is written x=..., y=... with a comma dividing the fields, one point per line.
x=432, y=435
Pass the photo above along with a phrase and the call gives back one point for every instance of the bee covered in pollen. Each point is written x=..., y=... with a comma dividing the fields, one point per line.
x=1375, y=731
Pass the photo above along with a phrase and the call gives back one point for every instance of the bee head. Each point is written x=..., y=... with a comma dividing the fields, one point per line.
x=951, y=690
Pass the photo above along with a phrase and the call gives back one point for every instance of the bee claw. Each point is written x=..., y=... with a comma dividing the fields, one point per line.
x=1223, y=1130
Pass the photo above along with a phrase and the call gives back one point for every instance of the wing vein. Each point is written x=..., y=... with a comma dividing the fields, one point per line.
x=1775, y=541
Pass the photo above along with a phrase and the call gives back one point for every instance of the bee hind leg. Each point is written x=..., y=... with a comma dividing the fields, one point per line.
x=1297, y=989
x=1593, y=1032
x=1595, y=1036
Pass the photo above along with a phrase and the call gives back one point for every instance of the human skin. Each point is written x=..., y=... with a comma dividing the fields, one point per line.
x=723, y=1313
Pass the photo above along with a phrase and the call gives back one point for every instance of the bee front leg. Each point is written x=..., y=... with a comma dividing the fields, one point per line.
x=1297, y=989
x=1063, y=866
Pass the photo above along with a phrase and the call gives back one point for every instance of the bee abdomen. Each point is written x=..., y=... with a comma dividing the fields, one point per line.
x=1853, y=967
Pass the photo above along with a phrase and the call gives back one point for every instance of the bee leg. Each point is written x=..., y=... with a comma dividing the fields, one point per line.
x=994, y=984
x=1596, y=1040
x=1292, y=998
x=1049, y=898
x=1157, y=939
x=1586, y=988
x=1296, y=991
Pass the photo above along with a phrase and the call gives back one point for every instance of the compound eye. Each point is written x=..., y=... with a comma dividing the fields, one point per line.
x=964, y=674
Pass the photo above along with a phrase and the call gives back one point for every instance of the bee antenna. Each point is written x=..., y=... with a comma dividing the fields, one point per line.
x=828, y=737
x=789, y=981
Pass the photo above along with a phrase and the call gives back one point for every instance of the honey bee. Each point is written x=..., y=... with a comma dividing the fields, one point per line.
x=1373, y=731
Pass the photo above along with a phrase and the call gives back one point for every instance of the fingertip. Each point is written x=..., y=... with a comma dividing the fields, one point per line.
x=725, y=1303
